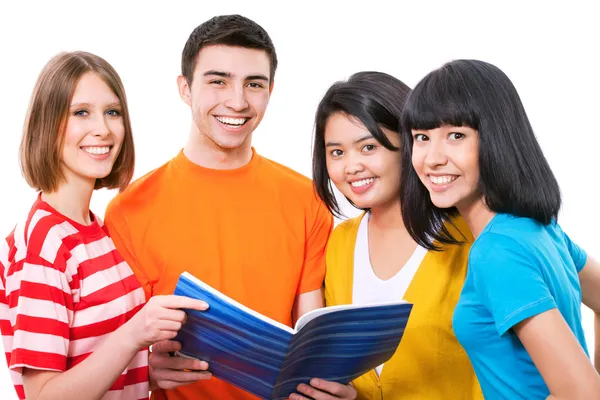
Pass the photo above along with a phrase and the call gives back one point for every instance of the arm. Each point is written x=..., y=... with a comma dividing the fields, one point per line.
x=309, y=295
x=597, y=343
x=558, y=356
x=105, y=364
x=306, y=302
x=159, y=319
x=589, y=278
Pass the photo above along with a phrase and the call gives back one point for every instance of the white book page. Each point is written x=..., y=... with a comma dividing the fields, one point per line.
x=309, y=316
x=236, y=304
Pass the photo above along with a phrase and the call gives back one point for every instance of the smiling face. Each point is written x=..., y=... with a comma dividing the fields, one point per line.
x=94, y=131
x=228, y=95
x=362, y=169
x=447, y=162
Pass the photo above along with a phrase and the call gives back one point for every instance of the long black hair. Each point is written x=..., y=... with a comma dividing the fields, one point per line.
x=515, y=177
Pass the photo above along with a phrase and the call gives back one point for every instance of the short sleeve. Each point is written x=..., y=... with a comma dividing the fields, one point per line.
x=40, y=310
x=508, y=280
x=578, y=255
x=313, y=270
x=118, y=230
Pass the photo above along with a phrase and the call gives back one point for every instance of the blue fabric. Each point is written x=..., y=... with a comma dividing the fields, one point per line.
x=518, y=268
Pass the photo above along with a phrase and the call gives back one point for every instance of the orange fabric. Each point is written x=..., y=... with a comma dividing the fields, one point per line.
x=256, y=233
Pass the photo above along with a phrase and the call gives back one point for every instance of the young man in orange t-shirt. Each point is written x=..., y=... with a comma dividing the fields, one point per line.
x=246, y=225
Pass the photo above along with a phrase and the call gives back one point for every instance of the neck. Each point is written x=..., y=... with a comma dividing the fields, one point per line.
x=202, y=151
x=388, y=217
x=72, y=199
x=477, y=215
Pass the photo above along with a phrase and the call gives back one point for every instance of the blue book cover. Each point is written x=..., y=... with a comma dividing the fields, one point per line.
x=269, y=359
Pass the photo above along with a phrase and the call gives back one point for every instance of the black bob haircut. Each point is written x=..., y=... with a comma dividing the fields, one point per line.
x=373, y=98
x=515, y=177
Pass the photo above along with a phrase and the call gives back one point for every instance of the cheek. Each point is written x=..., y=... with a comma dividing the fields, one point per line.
x=335, y=170
x=205, y=100
x=388, y=165
x=469, y=164
x=259, y=102
x=417, y=161
x=118, y=130
x=72, y=133
x=475, y=171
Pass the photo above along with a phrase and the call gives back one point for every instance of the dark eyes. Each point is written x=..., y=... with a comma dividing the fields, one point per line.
x=365, y=148
x=254, y=85
x=419, y=137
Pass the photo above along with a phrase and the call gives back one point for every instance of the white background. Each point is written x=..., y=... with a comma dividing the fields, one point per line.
x=550, y=53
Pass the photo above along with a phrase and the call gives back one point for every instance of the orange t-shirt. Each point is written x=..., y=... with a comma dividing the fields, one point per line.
x=257, y=233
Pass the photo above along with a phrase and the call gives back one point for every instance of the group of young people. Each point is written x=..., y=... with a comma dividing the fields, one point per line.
x=459, y=218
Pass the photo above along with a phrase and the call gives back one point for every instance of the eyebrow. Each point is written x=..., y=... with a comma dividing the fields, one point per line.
x=361, y=139
x=223, y=74
x=84, y=104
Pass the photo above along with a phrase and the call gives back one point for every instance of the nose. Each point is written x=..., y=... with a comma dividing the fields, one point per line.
x=436, y=153
x=100, y=127
x=354, y=164
x=237, y=98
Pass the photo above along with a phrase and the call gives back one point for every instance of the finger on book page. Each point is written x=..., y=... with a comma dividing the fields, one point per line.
x=326, y=391
x=184, y=302
x=337, y=389
x=165, y=346
x=171, y=384
x=164, y=361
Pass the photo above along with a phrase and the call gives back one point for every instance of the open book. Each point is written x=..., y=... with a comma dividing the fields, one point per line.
x=269, y=359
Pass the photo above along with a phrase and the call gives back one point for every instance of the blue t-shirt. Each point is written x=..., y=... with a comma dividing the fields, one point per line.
x=518, y=268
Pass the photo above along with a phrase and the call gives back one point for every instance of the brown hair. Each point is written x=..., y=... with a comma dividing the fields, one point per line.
x=45, y=122
x=229, y=30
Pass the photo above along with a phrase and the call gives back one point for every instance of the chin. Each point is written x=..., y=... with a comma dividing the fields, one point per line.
x=232, y=143
x=362, y=203
x=443, y=203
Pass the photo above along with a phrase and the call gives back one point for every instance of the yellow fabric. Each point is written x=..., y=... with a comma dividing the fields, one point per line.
x=429, y=362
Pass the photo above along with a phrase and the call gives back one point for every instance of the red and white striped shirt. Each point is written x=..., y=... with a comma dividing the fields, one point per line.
x=63, y=288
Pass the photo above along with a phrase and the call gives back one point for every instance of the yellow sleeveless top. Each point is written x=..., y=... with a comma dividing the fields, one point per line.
x=429, y=362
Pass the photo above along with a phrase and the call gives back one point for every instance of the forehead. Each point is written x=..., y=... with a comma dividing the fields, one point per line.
x=238, y=61
x=344, y=129
x=91, y=88
x=340, y=125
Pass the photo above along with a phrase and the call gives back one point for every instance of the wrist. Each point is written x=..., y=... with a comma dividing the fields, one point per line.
x=123, y=339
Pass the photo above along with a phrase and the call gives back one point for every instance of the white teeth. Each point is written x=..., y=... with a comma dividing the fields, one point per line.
x=442, y=180
x=362, y=182
x=97, y=149
x=232, y=121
